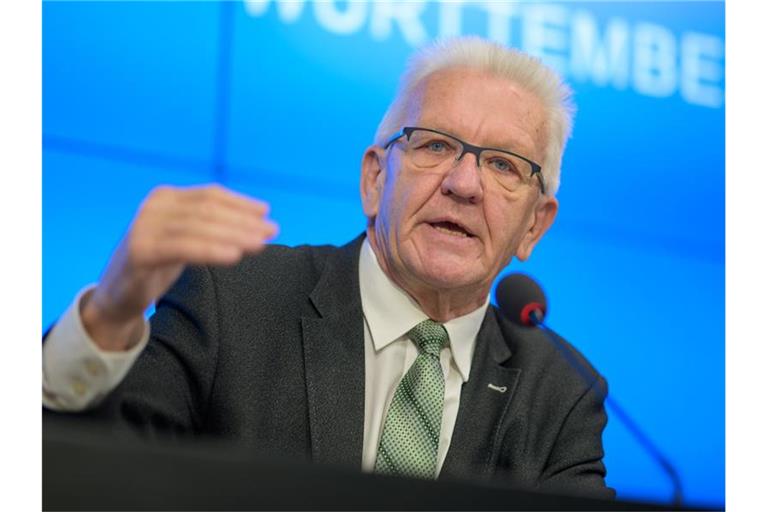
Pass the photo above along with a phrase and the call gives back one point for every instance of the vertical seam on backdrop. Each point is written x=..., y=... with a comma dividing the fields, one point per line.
x=221, y=108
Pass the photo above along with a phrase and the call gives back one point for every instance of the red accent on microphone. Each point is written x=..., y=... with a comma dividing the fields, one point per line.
x=525, y=314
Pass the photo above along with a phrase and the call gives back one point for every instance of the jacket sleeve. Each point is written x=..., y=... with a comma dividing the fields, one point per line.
x=575, y=463
x=166, y=390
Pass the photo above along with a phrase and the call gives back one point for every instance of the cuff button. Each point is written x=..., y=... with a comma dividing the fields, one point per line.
x=78, y=387
x=93, y=368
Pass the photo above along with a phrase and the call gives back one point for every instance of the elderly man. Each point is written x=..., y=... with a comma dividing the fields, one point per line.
x=383, y=354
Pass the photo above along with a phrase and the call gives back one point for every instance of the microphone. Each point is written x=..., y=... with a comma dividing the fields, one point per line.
x=521, y=300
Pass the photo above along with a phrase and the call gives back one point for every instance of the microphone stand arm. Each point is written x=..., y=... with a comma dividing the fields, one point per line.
x=536, y=319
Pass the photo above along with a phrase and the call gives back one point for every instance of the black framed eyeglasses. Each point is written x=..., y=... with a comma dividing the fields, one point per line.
x=426, y=148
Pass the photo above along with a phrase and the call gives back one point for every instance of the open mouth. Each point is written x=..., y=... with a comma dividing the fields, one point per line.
x=450, y=228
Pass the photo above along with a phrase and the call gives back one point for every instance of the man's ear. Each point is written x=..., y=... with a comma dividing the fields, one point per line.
x=543, y=216
x=372, y=174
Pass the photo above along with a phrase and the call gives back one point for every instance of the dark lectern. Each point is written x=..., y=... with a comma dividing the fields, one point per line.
x=89, y=469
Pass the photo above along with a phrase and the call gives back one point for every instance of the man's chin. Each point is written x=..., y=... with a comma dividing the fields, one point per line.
x=440, y=266
x=450, y=275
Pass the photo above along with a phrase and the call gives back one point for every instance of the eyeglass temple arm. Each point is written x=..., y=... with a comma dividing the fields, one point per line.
x=394, y=137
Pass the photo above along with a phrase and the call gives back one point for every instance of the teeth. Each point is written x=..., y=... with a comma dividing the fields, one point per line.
x=450, y=231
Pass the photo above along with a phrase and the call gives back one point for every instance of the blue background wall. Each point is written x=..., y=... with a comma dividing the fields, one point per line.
x=143, y=93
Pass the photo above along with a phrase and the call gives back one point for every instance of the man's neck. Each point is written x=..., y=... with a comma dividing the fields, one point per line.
x=444, y=306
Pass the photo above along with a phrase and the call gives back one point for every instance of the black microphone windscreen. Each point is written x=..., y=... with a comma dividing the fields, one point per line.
x=518, y=295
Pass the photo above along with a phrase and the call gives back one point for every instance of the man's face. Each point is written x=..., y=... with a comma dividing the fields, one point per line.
x=454, y=228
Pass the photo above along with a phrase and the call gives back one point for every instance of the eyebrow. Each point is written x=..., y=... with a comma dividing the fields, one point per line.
x=518, y=148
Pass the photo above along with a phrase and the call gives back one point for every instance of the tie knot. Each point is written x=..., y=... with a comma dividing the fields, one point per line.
x=430, y=337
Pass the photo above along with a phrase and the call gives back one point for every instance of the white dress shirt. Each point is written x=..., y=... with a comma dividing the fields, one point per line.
x=389, y=314
x=77, y=374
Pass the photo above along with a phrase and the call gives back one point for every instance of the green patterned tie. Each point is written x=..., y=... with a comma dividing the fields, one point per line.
x=411, y=431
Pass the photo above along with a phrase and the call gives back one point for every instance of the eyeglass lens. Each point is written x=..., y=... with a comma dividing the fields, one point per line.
x=428, y=150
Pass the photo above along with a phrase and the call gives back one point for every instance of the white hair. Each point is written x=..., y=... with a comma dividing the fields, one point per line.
x=524, y=70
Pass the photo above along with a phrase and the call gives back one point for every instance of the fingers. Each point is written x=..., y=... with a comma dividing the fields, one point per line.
x=244, y=234
x=221, y=218
x=198, y=225
x=174, y=227
x=225, y=197
x=193, y=250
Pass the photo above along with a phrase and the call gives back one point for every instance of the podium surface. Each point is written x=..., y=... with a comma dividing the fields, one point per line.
x=89, y=469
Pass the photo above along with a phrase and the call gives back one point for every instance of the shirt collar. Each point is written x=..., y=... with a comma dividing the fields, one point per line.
x=390, y=313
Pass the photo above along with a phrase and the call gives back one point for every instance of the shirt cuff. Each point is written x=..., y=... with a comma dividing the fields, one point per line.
x=77, y=374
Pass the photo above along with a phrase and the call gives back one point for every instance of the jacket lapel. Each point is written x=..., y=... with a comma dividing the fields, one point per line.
x=485, y=399
x=334, y=361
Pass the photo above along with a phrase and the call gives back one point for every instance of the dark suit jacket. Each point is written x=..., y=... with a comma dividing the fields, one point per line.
x=270, y=352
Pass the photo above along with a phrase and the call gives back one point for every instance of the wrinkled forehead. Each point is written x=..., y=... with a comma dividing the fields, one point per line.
x=480, y=108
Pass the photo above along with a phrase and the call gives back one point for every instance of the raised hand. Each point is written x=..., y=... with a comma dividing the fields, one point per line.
x=174, y=227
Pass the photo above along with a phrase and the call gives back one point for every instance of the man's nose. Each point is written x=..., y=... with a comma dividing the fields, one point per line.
x=463, y=179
